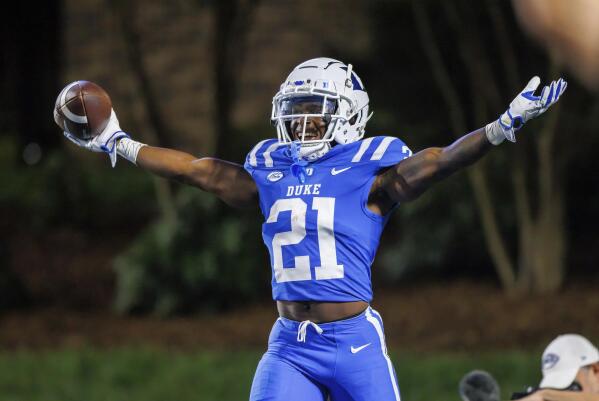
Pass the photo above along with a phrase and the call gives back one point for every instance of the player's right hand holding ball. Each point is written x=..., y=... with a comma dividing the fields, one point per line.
x=104, y=142
x=84, y=112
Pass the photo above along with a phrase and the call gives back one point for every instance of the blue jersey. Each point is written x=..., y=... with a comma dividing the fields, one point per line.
x=321, y=236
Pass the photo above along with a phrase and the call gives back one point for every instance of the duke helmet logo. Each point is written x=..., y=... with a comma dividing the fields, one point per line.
x=550, y=360
x=274, y=176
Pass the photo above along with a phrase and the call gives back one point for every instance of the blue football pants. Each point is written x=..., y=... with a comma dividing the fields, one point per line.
x=345, y=360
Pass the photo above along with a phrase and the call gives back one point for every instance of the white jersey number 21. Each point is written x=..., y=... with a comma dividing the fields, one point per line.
x=329, y=269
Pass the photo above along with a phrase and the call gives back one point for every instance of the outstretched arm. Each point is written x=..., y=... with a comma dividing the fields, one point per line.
x=227, y=180
x=412, y=176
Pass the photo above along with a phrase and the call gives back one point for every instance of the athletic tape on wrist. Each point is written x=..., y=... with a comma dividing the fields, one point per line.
x=494, y=133
x=128, y=149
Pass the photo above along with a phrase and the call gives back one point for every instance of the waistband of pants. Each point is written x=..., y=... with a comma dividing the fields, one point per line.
x=350, y=321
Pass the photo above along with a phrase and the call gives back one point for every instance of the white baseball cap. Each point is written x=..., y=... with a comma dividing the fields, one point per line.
x=562, y=359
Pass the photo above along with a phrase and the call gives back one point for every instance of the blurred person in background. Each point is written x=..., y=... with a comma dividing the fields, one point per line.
x=570, y=366
x=325, y=194
x=569, y=30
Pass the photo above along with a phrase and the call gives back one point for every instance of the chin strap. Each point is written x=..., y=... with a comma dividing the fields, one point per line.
x=310, y=155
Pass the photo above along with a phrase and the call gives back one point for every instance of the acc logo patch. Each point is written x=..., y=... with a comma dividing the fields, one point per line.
x=274, y=176
x=550, y=360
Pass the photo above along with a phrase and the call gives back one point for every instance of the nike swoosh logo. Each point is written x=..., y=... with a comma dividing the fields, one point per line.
x=358, y=349
x=334, y=171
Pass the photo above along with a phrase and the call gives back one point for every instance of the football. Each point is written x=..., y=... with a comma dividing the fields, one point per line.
x=83, y=109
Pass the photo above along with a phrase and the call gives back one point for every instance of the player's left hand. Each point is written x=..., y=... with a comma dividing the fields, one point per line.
x=106, y=141
x=524, y=107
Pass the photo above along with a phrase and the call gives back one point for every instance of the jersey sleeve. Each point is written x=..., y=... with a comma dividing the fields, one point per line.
x=381, y=151
x=259, y=156
x=390, y=151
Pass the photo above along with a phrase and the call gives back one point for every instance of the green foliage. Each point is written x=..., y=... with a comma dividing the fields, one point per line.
x=60, y=191
x=12, y=291
x=152, y=374
x=437, y=377
x=207, y=259
x=64, y=190
x=125, y=374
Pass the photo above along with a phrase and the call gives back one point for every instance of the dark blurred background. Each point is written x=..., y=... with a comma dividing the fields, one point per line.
x=91, y=254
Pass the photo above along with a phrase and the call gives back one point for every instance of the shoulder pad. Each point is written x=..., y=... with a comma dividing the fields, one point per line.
x=383, y=150
x=261, y=156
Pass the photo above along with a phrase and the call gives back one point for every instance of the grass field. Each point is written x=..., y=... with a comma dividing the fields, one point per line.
x=146, y=374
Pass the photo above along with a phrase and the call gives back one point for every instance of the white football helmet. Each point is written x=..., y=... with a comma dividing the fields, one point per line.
x=325, y=88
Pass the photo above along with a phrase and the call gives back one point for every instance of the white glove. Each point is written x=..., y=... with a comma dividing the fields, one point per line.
x=106, y=141
x=524, y=107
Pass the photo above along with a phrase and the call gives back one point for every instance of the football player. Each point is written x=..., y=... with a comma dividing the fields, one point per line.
x=326, y=194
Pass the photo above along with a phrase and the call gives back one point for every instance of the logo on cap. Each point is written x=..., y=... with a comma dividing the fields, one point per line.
x=550, y=360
